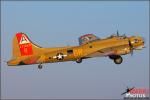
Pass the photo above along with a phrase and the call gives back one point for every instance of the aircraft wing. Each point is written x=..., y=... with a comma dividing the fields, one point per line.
x=106, y=51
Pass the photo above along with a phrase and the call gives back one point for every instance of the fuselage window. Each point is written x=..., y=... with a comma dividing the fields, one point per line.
x=70, y=51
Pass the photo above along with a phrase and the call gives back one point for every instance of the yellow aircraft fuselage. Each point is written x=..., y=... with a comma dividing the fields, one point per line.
x=26, y=53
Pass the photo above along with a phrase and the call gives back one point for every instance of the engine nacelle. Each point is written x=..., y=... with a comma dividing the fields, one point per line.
x=122, y=51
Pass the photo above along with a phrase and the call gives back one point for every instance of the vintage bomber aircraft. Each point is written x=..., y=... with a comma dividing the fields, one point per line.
x=25, y=52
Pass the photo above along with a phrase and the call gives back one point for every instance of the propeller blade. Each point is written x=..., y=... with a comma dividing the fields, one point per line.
x=130, y=43
x=131, y=47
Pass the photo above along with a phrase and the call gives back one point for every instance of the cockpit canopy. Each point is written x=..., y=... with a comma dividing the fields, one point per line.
x=87, y=38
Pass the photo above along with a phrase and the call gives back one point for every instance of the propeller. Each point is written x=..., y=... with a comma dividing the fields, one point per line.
x=130, y=44
x=131, y=47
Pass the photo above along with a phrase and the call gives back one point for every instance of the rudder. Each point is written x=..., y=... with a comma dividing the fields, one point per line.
x=22, y=46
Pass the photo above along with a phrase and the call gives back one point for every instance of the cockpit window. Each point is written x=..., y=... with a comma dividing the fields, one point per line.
x=87, y=38
x=136, y=40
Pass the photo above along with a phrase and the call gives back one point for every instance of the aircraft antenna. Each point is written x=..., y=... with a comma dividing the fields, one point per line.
x=117, y=33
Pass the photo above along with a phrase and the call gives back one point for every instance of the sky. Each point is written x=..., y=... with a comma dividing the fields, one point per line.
x=60, y=23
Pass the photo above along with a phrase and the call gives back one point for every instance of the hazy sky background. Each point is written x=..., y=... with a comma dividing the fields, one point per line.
x=50, y=24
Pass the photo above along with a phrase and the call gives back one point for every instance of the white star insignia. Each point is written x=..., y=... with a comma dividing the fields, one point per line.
x=59, y=56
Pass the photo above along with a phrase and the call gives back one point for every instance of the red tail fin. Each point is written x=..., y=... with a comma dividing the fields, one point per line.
x=25, y=44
